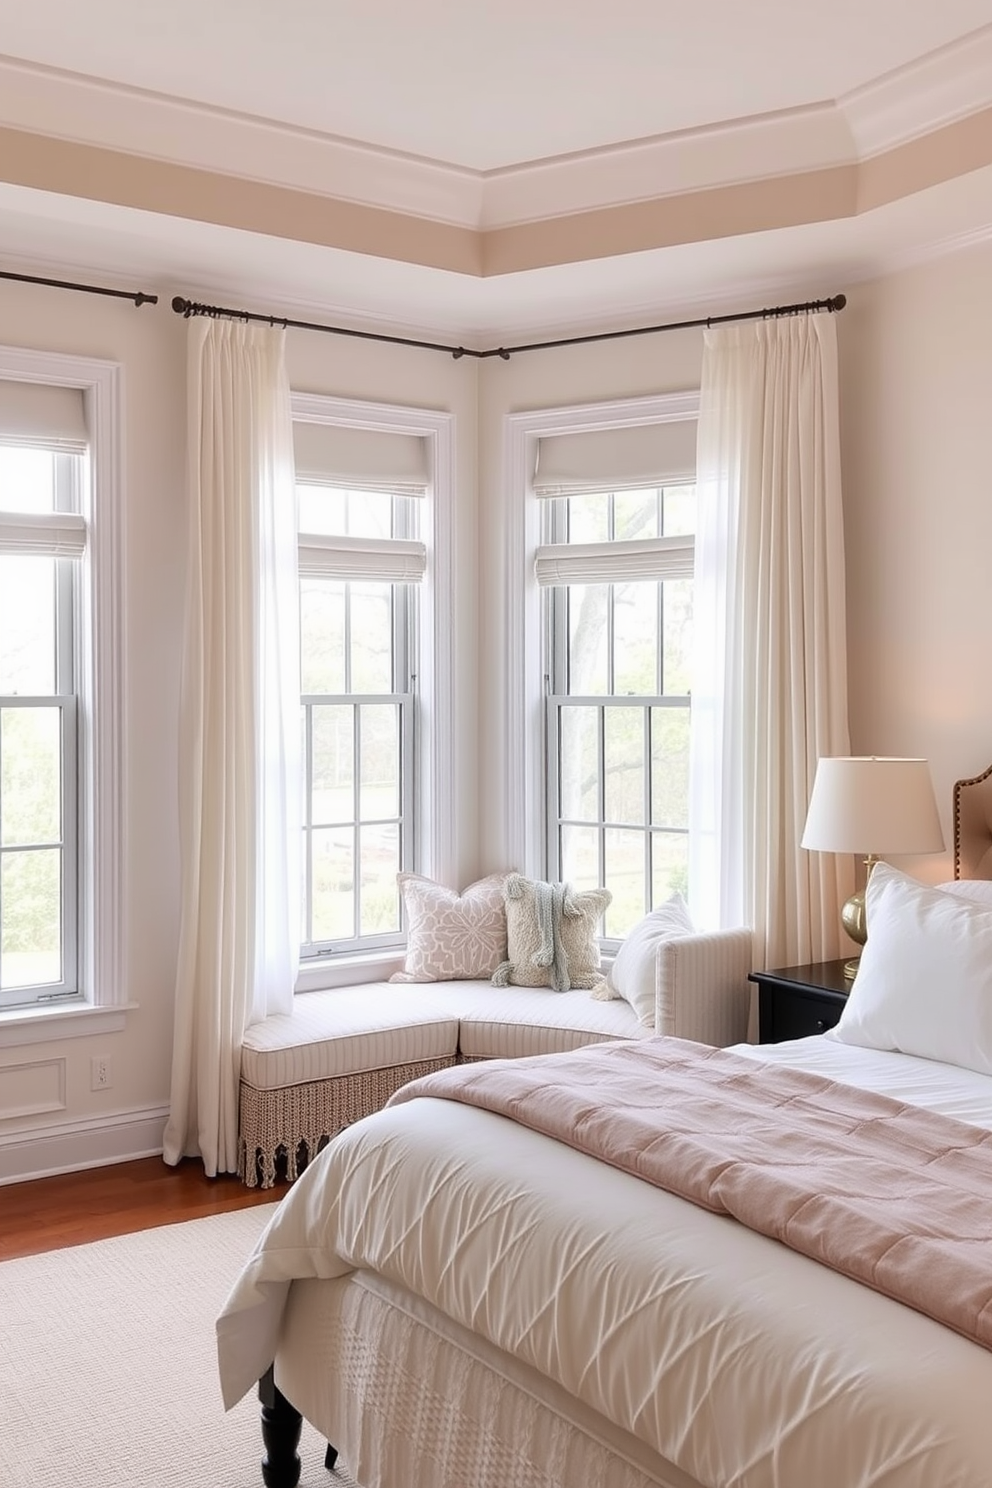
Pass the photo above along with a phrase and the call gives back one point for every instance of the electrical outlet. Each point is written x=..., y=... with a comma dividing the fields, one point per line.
x=100, y=1077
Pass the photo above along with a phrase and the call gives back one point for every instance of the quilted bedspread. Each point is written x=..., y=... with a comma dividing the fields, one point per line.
x=897, y=1198
x=730, y=1355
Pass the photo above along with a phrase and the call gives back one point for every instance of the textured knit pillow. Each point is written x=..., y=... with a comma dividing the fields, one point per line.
x=451, y=935
x=551, y=935
x=632, y=975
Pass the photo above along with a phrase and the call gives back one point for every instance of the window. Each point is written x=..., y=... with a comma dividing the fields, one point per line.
x=59, y=725
x=366, y=503
x=37, y=725
x=606, y=498
x=618, y=645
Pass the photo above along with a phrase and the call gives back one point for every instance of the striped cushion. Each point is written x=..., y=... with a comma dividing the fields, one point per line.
x=507, y=1022
x=345, y=1031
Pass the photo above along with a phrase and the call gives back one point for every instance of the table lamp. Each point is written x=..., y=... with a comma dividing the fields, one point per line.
x=874, y=807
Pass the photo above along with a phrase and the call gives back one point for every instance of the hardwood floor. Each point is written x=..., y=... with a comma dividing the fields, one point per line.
x=74, y=1208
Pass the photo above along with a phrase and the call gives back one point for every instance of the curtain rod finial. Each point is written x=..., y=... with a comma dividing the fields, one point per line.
x=838, y=302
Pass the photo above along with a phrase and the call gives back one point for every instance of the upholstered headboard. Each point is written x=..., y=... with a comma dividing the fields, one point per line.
x=973, y=826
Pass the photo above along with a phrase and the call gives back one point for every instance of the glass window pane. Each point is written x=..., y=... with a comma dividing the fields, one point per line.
x=579, y=764
x=624, y=764
x=636, y=514
x=27, y=480
x=380, y=859
x=625, y=879
x=30, y=776
x=669, y=865
x=635, y=639
x=580, y=857
x=380, y=761
x=333, y=868
x=322, y=509
x=588, y=518
x=30, y=918
x=27, y=625
x=333, y=793
x=679, y=510
x=322, y=630
x=670, y=767
x=588, y=639
x=333, y=512
x=370, y=514
x=371, y=637
x=677, y=633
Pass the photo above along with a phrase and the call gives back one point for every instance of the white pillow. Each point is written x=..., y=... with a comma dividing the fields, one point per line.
x=632, y=975
x=978, y=890
x=924, y=982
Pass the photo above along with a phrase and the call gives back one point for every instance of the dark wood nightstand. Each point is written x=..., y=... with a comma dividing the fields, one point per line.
x=795, y=1001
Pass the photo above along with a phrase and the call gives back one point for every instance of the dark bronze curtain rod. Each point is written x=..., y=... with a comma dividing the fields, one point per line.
x=187, y=308
x=137, y=296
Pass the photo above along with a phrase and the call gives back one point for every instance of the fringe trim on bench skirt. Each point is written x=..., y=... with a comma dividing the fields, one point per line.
x=280, y=1131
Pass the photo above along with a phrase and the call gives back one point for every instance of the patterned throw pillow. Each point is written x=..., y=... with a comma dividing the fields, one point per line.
x=551, y=935
x=451, y=935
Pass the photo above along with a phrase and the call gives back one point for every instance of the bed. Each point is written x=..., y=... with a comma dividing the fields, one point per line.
x=456, y=1300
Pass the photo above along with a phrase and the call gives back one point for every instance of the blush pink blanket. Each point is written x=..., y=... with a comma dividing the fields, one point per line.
x=893, y=1196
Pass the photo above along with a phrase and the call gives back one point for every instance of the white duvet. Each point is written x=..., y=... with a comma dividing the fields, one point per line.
x=728, y=1354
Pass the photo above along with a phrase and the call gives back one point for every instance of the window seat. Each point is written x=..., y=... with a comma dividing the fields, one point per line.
x=342, y=1053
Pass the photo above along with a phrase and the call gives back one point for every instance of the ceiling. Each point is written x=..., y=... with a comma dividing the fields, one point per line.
x=486, y=172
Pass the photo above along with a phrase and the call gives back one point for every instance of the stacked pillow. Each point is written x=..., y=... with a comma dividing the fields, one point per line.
x=499, y=928
x=924, y=982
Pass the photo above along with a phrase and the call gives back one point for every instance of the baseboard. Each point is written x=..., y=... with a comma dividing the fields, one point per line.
x=68, y=1146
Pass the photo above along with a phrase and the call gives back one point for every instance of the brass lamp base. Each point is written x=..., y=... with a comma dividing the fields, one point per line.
x=854, y=918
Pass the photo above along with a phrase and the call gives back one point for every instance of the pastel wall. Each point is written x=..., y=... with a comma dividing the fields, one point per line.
x=916, y=415
x=916, y=411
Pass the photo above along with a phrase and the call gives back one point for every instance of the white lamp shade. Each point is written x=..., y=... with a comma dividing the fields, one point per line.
x=872, y=805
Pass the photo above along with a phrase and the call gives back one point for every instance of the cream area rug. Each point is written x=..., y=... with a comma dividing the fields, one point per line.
x=108, y=1375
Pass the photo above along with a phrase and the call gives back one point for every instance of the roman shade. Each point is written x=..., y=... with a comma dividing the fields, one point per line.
x=617, y=459
x=389, y=560
x=360, y=459
x=49, y=534
x=43, y=416
x=650, y=558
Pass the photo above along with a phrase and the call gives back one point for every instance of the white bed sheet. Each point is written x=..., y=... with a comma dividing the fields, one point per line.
x=961, y=1093
x=722, y=1351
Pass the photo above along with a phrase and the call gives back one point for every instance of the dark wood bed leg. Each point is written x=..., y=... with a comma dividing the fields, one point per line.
x=281, y=1428
x=330, y=1457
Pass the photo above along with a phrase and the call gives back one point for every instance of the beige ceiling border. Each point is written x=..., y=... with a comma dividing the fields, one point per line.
x=98, y=174
x=830, y=193
x=691, y=217
x=954, y=150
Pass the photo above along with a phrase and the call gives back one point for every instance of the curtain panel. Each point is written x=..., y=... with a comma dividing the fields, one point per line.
x=770, y=679
x=239, y=729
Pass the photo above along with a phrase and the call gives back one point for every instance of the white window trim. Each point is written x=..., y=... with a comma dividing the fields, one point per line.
x=103, y=910
x=524, y=718
x=438, y=772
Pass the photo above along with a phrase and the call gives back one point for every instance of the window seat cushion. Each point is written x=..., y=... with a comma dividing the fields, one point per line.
x=345, y=1031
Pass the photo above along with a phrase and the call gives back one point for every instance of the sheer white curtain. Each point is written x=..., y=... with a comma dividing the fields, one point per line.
x=239, y=729
x=769, y=692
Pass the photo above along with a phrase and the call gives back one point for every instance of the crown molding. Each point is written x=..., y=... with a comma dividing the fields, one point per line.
x=80, y=110
x=939, y=89
x=767, y=146
x=945, y=86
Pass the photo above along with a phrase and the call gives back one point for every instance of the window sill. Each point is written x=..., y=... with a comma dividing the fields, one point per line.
x=43, y=1025
x=348, y=971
